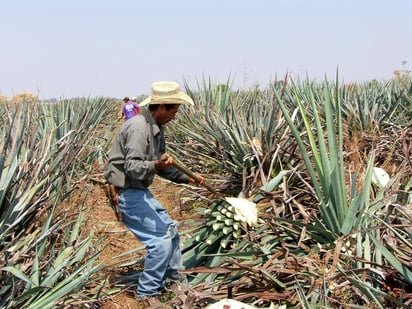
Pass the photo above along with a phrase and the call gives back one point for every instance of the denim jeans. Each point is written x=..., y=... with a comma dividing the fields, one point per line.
x=149, y=221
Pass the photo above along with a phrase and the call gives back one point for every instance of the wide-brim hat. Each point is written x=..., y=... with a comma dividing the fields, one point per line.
x=167, y=93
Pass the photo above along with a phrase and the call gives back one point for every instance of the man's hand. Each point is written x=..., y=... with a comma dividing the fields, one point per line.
x=165, y=161
x=200, y=180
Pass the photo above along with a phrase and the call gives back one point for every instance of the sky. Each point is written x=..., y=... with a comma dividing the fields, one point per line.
x=118, y=48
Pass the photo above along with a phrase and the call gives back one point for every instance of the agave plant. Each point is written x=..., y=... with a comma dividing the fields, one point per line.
x=44, y=261
x=239, y=137
x=334, y=236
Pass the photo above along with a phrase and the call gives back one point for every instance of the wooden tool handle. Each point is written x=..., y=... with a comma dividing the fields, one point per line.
x=188, y=173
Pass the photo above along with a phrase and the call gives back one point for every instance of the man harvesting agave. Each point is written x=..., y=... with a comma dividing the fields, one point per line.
x=134, y=160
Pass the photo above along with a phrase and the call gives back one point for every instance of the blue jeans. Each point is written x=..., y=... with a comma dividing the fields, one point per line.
x=149, y=221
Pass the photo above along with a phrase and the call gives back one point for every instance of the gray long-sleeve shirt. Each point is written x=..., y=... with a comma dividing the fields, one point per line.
x=131, y=159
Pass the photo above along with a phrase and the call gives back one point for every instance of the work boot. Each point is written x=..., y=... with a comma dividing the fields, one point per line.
x=180, y=292
x=177, y=287
x=151, y=302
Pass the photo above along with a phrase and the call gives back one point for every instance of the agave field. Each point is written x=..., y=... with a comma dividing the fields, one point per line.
x=313, y=207
x=46, y=151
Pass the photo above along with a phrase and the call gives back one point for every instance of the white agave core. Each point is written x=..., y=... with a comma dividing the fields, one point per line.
x=229, y=303
x=244, y=209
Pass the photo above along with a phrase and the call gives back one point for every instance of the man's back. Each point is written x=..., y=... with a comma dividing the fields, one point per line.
x=130, y=109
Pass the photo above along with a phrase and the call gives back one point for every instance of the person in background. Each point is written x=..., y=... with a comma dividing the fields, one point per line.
x=130, y=108
x=134, y=160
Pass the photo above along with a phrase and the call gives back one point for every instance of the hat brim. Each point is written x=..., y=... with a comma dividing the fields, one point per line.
x=180, y=98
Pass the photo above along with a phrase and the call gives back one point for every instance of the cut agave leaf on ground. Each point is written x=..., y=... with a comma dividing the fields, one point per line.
x=380, y=177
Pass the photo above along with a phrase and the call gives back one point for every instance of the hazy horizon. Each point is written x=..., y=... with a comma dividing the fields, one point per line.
x=75, y=48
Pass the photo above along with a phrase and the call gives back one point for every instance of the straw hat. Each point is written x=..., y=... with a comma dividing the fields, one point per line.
x=167, y=93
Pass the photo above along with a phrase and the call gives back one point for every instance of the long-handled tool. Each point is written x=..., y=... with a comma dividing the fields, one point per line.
x=242, y=207
x=186, y=171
